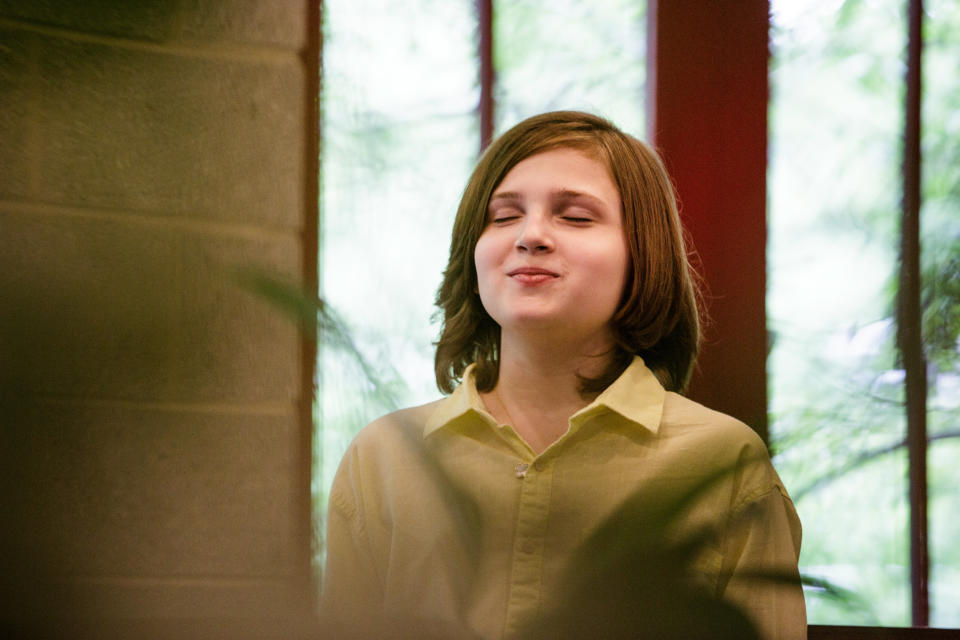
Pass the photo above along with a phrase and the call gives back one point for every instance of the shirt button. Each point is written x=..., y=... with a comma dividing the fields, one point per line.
x=528, y=547
x=521, y=470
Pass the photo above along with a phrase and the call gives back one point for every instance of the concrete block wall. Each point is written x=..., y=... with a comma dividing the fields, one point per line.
x=155, y=444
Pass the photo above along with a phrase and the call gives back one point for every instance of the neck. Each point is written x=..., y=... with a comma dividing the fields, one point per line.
x=538, y=387
x=550, y=364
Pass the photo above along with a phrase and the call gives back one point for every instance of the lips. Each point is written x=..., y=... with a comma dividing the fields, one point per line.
x=530, y=276
x=533, y=271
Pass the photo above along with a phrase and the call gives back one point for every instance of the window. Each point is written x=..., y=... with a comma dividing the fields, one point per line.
x=836, y=376
x=399, y=138
x=401, y=132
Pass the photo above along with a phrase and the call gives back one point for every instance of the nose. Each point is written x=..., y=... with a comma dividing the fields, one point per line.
x=535, y=235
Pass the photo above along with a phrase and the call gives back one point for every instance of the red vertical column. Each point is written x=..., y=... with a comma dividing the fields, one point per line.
x=487, y=72
x=910, y=322
x=707, y=95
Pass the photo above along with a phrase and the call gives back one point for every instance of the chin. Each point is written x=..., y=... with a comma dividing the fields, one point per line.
x=519, y=318
x=547, y=324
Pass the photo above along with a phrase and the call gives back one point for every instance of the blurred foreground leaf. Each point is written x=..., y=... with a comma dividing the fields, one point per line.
x=632, y=578
x=318, y=320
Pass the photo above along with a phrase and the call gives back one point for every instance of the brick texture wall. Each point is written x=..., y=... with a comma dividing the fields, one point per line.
x=156, y=430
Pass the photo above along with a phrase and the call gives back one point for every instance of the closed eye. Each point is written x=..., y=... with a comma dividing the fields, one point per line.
x=504, y=213
x=577, y=215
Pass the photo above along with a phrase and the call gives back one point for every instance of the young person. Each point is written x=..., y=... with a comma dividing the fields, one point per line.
x=570, y=328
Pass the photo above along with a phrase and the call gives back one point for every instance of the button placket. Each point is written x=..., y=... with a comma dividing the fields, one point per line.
x=525, y=576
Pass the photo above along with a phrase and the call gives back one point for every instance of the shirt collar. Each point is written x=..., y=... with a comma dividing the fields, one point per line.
x=463, y=402
x=636, y=395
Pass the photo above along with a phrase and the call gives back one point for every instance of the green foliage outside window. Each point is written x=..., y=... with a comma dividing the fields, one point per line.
x=837, y=393
x=400, y=135
x=570, y=54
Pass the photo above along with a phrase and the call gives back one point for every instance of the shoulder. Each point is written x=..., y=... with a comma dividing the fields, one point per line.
x=722, y=445
x=682, y=417
x=384, y=453
x=401, y=424
x=388, y=441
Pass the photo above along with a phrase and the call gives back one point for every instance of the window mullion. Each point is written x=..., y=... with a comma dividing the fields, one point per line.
x=485, y=26
x=910, y=337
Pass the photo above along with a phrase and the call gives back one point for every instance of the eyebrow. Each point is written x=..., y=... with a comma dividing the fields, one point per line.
x=563, y=195
x=505, y=195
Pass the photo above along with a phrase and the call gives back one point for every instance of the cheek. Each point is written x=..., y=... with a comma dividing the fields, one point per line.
x=620, y=270
x=481, y=266
x=488, y=261
x=484, y=258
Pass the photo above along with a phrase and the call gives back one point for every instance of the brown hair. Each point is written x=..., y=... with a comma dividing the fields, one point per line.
x=657, y=318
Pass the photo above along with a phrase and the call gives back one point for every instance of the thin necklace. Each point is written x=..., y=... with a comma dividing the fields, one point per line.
x=496, y=392
x=520, y=471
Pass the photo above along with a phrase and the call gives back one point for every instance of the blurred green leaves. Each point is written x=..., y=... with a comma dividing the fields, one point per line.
x=318, y=319
x=837, y=412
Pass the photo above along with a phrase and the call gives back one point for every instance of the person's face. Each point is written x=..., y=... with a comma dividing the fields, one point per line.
x=553, y=256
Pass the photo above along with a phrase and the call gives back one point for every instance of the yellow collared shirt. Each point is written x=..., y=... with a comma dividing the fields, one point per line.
x=438, y=513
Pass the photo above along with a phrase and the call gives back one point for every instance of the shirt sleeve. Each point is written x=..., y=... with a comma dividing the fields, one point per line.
x=351, y=584
x=760, y=573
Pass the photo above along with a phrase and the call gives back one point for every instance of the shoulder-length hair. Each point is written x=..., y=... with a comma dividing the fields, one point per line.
x=657, y=317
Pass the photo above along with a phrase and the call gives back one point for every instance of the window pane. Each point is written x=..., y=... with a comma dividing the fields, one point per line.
x=836, y=390
x=399, y=139
x=940, y=239
x=569, y=54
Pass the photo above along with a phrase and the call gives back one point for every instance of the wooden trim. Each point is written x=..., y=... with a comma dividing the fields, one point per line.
x=910, y=323
x=826, y=632
x=487, y=72
x=707, y=94
x=310, y=245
